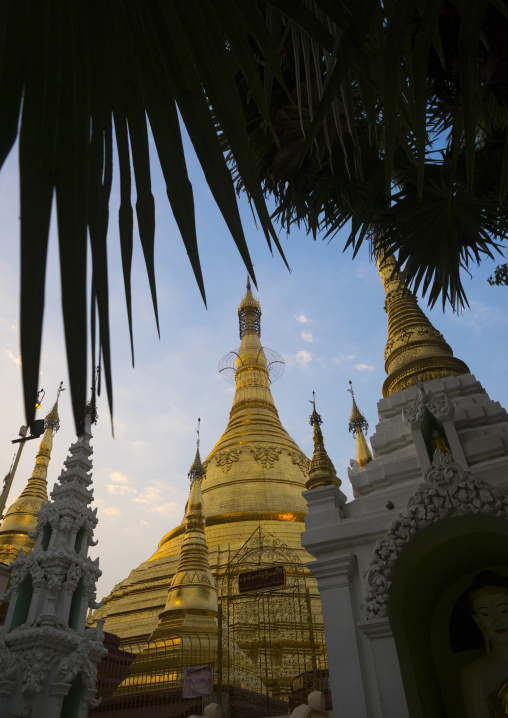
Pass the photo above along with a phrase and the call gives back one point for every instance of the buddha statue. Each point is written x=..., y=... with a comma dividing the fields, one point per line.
x=439, y=443
x=485, y=681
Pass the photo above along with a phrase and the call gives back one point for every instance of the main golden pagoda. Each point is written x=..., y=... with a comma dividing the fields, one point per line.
x=255, y=476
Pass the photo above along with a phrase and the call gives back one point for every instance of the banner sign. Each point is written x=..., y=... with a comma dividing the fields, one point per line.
x=198, y=681
x=261, y=578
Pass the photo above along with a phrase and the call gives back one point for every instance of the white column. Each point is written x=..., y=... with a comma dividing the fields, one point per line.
x=334, y=575
x=386, y=663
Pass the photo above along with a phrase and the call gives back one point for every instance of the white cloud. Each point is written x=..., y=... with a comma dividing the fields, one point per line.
x=13, y=357
x=111, y=511
x=152, y=497
x=302, y=319
x=481, y=315
x=119, y=478
x=304, y=358
x=363, y=367
x=118, y=490
x=343, y=359
x=307, y=336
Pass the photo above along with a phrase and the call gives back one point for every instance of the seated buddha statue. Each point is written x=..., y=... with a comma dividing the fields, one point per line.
x=485, y=681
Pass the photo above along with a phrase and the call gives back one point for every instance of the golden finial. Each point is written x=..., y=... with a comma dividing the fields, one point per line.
x=415, y=349
x=357, y=420
x=358, y=425
x=197, y=470
x=321, y=470
x=91, y=405
x=52, y=418
x=249, y=313
x=314, y=417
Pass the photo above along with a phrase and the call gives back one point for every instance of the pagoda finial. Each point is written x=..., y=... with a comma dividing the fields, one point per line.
x=357, y=420
x=415, y=349
x=91, y=405
x=358, y=425
x=314, y=418
x=52, y=418
x=197, y=470
x=249, y=313
x=321, y=470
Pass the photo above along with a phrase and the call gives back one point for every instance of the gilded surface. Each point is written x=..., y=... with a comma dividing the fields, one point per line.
x=191, y=605
x=414, y=349
x=236, y=501
x=266, y=456
x=357, y=426
x=321, y=471
x=21, y=517
x=226, y=459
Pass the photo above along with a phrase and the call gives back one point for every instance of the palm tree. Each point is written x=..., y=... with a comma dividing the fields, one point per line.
x=334, y=107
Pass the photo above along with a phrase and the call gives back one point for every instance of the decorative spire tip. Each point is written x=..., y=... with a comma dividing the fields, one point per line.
x=197, y=469
x=52, y=418
x=357, y=422
x=314, y=418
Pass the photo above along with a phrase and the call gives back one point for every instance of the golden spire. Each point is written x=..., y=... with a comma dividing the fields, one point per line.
x=21, y=517
x=321, y=471
x=357, y=425
x=255, y=450
x=197, y=468
x=414, y=350
x=249, y=313
x=191, y=606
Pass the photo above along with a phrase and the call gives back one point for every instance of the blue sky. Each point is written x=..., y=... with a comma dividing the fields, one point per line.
x=326, y=318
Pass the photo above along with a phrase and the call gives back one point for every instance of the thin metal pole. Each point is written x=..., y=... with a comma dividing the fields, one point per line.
x=219, y=655
x=10, y=479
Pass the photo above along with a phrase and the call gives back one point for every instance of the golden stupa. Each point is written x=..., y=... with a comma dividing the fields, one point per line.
x=321, y=470
x=187, y=631
x=191, y=606
x=255, y=476
x=357, y=426
x=21, y=517
x=414, y=349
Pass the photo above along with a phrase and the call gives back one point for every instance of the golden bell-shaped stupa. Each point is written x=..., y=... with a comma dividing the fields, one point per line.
x=255, y=476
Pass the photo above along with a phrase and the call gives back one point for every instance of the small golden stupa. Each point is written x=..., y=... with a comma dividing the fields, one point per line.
x=415, y=349
x=357, y=426
x=321, y=470
x=191, y=606
x=21, y=517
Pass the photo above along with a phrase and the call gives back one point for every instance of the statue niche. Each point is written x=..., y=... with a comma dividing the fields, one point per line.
x=485, y=681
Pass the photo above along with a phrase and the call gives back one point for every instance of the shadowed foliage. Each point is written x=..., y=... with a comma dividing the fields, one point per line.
x=334, y=107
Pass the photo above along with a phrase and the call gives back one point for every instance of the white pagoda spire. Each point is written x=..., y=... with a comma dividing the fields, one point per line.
x=48, y=661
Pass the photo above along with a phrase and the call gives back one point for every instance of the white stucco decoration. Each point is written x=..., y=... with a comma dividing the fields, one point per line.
x=47, y=645
x=414, y=411
x=447, y=491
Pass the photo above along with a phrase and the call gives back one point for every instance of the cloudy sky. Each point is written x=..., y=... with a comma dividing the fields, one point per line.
x=326, y=318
